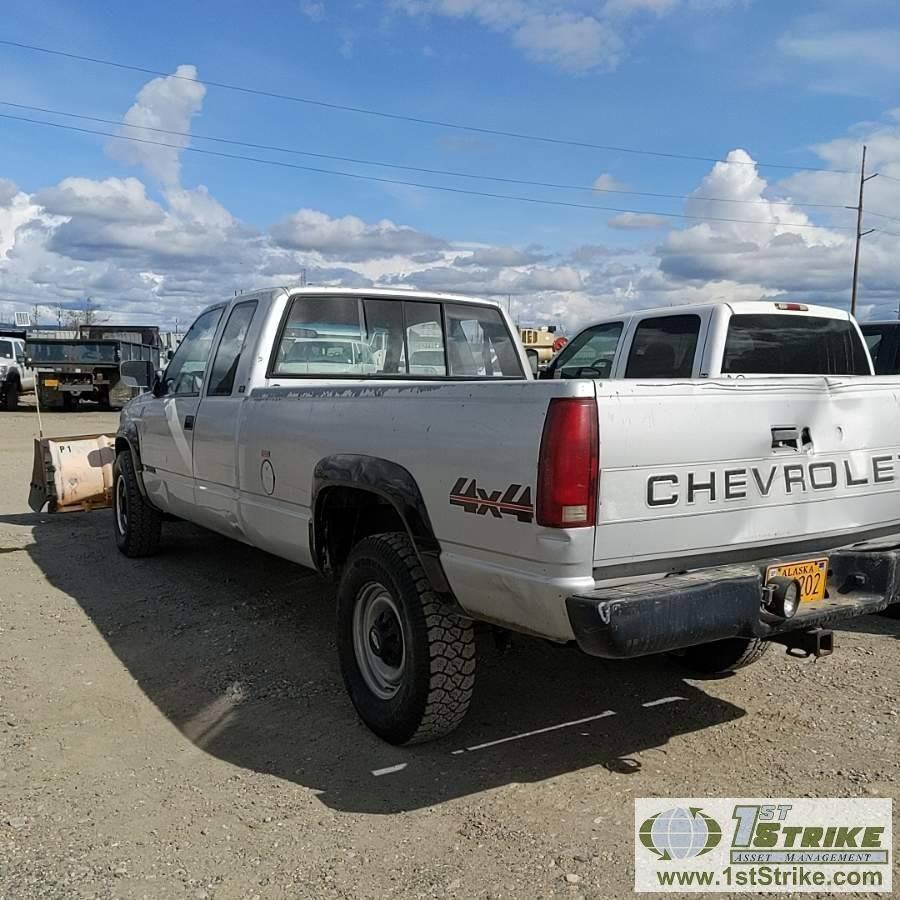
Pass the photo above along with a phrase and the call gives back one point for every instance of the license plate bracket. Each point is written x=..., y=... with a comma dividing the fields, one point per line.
x=810, y=574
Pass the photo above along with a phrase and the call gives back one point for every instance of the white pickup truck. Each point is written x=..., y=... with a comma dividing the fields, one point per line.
x=717, y=340
x=16, y=376
x=629, y=517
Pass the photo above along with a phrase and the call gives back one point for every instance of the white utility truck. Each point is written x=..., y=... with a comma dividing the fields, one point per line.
x=717, y=340
x=707, y=517
x=16, y=376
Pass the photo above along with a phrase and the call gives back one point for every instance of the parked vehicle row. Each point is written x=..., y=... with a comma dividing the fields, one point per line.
x=673, y=507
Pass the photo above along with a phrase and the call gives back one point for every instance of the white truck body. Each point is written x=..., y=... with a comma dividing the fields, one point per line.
x=16, y=377
x=717, y=340
x=715, y=478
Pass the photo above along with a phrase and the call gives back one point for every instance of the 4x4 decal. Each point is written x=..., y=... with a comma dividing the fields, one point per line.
x=514, y=501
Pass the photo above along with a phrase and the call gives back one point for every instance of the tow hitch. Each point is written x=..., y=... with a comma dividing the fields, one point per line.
x=808, y=642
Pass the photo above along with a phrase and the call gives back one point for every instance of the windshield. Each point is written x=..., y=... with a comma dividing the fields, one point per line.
x=767, y=344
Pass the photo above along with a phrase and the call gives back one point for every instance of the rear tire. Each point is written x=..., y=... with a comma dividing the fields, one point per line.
x=721, y=657
x=408, y=665
x=137, y=524
x=11, y=397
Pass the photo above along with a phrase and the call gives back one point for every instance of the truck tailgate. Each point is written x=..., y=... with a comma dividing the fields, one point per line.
x=712, y=472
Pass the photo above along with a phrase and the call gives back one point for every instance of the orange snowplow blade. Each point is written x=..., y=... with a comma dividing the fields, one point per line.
x=72, y=473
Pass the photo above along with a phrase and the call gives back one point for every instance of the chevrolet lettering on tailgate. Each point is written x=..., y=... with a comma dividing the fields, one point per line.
x=763, y=481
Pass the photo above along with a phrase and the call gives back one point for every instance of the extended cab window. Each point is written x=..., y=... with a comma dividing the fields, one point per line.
x=664, y=347
x=479, y=344
x=767, y=344
x=590, y=353
x=228, y=353
x=187, y=367
x=405, y=337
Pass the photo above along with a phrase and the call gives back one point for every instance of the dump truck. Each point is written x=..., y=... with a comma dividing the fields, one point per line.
x=68, y=371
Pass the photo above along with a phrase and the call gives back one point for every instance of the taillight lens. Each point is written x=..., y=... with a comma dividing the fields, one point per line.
x=569, y=464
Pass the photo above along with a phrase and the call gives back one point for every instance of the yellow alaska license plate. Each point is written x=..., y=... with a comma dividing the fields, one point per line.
x=810, y=574
x=51, y=382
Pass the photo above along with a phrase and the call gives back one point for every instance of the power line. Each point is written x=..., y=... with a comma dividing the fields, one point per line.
x=871, y=212
x=419, y=169
x=416, y=120
x=397, y=181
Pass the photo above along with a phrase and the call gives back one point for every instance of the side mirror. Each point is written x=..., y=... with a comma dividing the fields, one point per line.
x=169, y=355
x=533, y=362
x=158, y=386
x=137, y=373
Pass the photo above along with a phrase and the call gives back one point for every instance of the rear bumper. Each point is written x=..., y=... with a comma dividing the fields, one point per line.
x=723, y=602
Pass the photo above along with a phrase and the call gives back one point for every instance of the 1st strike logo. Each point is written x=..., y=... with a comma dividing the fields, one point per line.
x=514, y=501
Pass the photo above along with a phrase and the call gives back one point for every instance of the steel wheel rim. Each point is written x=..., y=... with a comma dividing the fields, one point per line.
x=378, y=640
x=121, y=505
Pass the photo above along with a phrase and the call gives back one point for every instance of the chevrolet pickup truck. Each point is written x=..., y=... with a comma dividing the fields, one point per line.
x=708, y=518
x=717, y=340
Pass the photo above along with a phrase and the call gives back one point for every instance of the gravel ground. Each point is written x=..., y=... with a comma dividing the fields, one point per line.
x=177, y=727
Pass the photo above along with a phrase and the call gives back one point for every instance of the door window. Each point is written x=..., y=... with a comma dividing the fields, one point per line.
x=591, y=353
x=6, y=350
x=185, y=372
x=664, y=347
x=228, y=353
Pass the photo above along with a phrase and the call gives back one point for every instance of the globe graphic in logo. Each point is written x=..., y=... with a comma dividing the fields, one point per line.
x=680, y=833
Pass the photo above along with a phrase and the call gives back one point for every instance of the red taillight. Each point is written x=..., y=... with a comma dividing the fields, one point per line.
x=569, y=464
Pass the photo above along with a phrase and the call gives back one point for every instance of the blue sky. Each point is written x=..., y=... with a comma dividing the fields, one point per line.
x=695, y=77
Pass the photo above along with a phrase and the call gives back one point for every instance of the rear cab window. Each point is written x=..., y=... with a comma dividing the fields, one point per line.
x=373, y=337
x=664, y=347
x=767, y=344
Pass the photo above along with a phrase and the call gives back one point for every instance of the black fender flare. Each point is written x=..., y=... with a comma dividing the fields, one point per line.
x=127, y=442
x=395, y=484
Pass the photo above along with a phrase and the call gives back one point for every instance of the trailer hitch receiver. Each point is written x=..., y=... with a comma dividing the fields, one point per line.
x=807, y=642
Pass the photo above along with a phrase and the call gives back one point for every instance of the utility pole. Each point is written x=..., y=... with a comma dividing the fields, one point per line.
x=860, y=234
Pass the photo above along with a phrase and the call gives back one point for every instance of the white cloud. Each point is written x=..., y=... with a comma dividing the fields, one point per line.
x=867, y=47
x=169, y=103
x=8, y=191
x=134, y=254
x=607, y=182
x=313, y=10
x=572, y=35
x=638, y=222
x=499, y=256
x=349, y=236
x=564, y=37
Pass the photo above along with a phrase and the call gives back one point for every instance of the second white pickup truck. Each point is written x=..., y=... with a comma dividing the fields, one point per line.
x=717, y=340
x=398, y=442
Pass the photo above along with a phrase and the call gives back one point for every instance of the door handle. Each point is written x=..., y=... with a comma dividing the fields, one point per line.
x=188, y=423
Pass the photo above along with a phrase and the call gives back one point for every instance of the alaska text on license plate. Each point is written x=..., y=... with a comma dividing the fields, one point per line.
x=810, y=574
